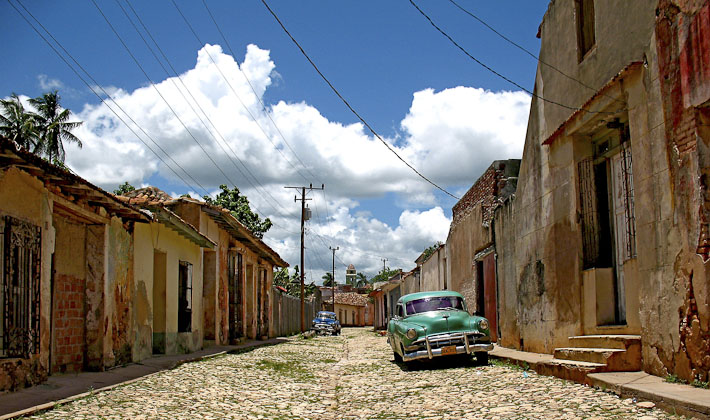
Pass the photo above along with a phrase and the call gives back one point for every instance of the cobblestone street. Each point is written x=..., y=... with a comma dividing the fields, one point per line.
x=352, y=376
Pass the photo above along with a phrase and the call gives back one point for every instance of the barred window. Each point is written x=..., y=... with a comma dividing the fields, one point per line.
x=185, y=297
x=20, y=260
x=607, y=202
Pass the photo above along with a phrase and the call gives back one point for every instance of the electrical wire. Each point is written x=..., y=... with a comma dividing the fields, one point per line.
x=96, y=84
x=130, y=53
x=525, y=50
x=347, y=104
x=199, y=40
x=491, y=70
x=177, y=75
x=263, y=105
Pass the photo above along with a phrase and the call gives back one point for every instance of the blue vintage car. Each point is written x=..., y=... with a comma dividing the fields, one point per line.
x=326, y=323
x=433, y=324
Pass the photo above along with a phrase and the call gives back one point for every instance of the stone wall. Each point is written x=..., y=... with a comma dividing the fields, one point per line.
x=682, y=347
x=470, y=231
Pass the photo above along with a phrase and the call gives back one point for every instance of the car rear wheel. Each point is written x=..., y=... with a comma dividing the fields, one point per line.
x=482, y=358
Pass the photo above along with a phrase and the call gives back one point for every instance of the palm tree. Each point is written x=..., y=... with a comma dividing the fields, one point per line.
x=360, y=280
x=328, y=279
x=53, y=127
x=17, y=124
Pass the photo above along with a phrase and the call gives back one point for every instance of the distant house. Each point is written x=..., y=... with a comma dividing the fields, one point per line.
x=353, y=309
x=432, y=270
x=237, y=271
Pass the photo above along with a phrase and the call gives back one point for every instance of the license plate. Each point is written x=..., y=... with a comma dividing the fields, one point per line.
x=448, y=350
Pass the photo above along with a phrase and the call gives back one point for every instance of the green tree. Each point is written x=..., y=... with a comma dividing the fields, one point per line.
x=328, y=279
x=360, y=280
x=53, y=127
x=18, y=124
x=432, y=249
x=124, y=188
x=238, y=205
x=384, y=275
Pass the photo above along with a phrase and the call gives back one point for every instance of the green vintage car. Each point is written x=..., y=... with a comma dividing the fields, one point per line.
x=433, y=324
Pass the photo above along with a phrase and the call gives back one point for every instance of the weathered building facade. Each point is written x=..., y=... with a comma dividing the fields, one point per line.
x=432, y=270
x=607, y=232
x=470, y=256
x=64, y=285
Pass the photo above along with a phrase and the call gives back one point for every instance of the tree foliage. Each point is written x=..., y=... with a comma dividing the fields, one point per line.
x=54, y=127
x=384, y=275
x=328, y=279
x=124, y=188
x=432, y=249
x=238, y=205
x=360, y=280
x=292, y=283
x=18, y=124
x=43, y=131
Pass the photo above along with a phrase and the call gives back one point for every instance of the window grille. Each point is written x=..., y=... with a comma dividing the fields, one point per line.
x=628, y=190
x=185, y=297
x=589, y=213
x=235, y=297
x=20, y=287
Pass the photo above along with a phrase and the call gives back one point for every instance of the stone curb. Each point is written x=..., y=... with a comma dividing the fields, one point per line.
x=53, y=404
x=668, y=403
x=585, y=376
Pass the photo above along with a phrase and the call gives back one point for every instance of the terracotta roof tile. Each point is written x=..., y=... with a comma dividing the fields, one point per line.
x=354, y=299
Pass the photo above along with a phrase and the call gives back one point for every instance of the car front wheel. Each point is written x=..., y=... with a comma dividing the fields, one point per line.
x=482, y=358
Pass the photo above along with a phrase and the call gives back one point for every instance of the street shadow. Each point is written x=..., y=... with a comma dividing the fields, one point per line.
x=439, y=363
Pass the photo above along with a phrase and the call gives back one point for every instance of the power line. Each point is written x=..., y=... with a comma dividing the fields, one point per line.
x=246, y=108
x=263, y=105
x=525, y=50
x=96, y=84
x=214, y=127
x=160, y=94
x=490, y=69
x=347, y=104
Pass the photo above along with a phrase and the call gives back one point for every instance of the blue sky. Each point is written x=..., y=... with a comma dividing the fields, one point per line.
x=383, y=56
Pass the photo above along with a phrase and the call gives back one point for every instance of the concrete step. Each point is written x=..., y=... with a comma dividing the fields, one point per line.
x=571, y=370
x=615, y=360
x=605, y=341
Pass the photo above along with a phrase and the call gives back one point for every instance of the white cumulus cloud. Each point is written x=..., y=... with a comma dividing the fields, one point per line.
x=224, y=136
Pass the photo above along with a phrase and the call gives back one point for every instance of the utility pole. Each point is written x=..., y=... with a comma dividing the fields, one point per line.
x=333, y=284
x=384, y=265
x=304, y=217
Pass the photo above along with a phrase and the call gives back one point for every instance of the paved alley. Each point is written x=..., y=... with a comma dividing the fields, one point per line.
x=352, y=376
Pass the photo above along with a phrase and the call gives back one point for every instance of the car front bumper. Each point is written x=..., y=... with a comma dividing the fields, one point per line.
x=429, y=352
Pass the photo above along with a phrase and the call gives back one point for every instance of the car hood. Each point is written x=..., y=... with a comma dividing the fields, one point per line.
x=325, y=320
x=437, y=322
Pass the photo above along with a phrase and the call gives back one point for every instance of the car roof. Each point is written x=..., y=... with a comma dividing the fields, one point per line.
x=421, y=295
x=326, y=312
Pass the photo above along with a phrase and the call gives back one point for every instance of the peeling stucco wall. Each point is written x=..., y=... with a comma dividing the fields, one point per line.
x=120, y=291
x=682, y=347
x=541, y=295
x=24, y=197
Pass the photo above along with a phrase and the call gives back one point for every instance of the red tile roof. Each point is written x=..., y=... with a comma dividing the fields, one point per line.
x=353, y=299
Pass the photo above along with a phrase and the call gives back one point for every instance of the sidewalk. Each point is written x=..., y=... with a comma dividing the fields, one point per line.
x=59, y=389
x=672, y=397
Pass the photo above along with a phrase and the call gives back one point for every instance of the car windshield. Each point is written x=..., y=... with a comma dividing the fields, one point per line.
x=326, y=315
x=434, y=303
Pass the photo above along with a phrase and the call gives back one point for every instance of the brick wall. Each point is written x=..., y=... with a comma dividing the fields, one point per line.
x=68, y=332
x=486, y=190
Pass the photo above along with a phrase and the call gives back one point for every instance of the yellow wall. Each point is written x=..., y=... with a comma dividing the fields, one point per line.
x=151, y=237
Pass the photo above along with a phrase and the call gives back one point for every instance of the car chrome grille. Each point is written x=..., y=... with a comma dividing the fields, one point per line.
x=447, y=339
